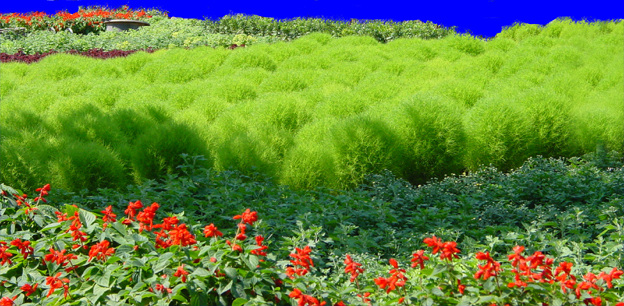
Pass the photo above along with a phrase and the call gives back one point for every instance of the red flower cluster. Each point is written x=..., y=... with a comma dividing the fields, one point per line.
x=212, y=231
x=56, y=283
x=396, y=279
x=259, y=251
x=301, y=263
x=101, y=250
x=7, y=301
x=305, y=299
x=146, y=217
x=109, y=216
x=29, y=289
x=353, y=268
x=131, y=211
x=247, y=216
x=4, y=255
x=91, y=18
x=75, y=227
x=23, y=246
x=180, y=272
x=60, y=258
x=170, y=232
x=528, y=266
x=418, y=259
x=178, y=235
x=491, y=267
x=42, y=192
x=448, y=250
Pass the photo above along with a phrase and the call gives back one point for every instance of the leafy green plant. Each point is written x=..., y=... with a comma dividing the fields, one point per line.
x=70, y=255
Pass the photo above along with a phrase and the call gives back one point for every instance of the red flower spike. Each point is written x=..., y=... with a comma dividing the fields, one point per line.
x=353, y=268
x=460, y=287
x=181, y=272
x=248, y=217
x=491, y=268
x=101, y=250
x=132, y=209
x=419, y=259
x=109, y=216
x=259, y=251
x=23, y=246
x=56, y=283
x=7, y=301
x=304, y=299
x=28, y=289
x=212, y=231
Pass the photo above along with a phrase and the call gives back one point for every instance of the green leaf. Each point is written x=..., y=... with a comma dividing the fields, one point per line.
x=239, y=302
x=227, y=287
x=486, y=299
x=103, y=280
x=230, y=272
x=119, y=227
x=87, y=218
x=201, y=272
x=435, y=290
x=124, y=249
x=163, y=262
x=51, y=226
x=199, y=299
x=253, y=260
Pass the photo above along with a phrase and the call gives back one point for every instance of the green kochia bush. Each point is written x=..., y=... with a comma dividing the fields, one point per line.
x=85, y=146
x=320, y=110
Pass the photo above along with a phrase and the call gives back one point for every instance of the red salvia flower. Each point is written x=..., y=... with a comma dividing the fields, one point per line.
x=435, y=243
x=608, y=278
x=491, y=267
x=28, y=289
x=4, y=255
x=109, y=216
x=7, y=301
x=212, y=231
x=42, y=192
x=259, y=251
x=460, y=287
x=181, y=272
x=168, y=223
x=146, y=217
x=396, y=279
x=303, y=300
x=180, y=235
x=418, y=259
x=56, y=283
x=353, y=268
x=132, y=209
x=101, y=250
x=248, y=217
x=23, y=246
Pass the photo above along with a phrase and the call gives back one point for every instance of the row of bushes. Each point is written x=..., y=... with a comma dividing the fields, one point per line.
x=162, y=33
x=289, y=29
x=188, y=33
x=89, y=20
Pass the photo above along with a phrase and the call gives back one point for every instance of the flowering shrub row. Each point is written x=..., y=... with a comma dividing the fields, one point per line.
x=20, y=56
x=82, y=22
x=50, y=257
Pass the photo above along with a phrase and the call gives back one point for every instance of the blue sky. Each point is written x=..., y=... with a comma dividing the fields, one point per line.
x=482, y=17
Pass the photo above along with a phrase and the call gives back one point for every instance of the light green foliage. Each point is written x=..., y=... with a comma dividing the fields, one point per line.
x=431, y=133
x=322, y=110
